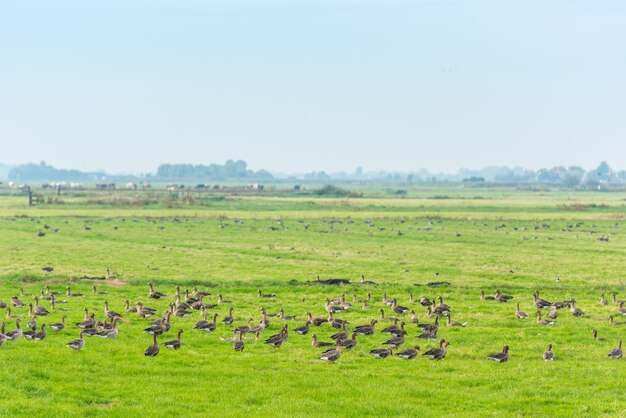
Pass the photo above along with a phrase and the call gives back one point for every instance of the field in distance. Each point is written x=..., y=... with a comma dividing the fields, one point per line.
x=517, y=242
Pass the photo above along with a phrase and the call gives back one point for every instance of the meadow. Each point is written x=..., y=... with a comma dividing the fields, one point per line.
x=235, y=244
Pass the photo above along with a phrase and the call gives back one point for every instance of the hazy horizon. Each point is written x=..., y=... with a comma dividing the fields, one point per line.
x=304, y=86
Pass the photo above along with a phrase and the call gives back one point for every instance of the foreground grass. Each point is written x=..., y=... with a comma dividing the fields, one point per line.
x=513, y=244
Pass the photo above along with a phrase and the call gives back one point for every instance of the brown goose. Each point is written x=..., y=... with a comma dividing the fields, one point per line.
x=500, y=297
x=363, y=281
x=78, y=343
x=501, y=357
x=399, y=309
x=615, y=299
x=109, y=313
x=348, y=343
x=16, y=302
x=340, y=335
x=303, y=330
x=3, y=337
x=520, y=314
x=543, y=321
x=366, y=329
x=277, y=340
x=59, y=327
x=335, y=322
x=387, y=301
x=409, y=354
x=316, y=344
x=98, y=292
x=451, y=323
x=332, y=354
x=390, y=328
x=220, y=299
x=548, y=355
x=128, y=308
x=73, y=295
x=413, y=319
x=612, y=322
x=88, y=321
x=285, y=317
x=394, y=342
x=603, y=300
x=191, y=299
x=111, y=332
x=16, y=333
x=541, y=303
x=229, y=319
x=198, y=293
x=265, y=295
x=41, y=335
x=381, y=353
x=574, y=310
x=621, y=309
x=441, y=309
x=553, y=313
x=386, y=318
x=9, y=315
x=207, y=326
x=153, y=350
x=483, y=297
x=239, y=345
x=426, y=302
x=438, y=353
x=595, y=335
x=174, y=344
x=155, y=295
x=617, y=353
x=430, y=327
x=244, y=328
x=399, y=332
x=144, y=311
x=316, y=322
x=330, y=308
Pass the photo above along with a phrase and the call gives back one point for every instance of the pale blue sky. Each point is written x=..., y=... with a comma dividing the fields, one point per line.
x=298, y=85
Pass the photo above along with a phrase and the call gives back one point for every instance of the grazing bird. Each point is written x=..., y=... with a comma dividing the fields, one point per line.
x=366, y=329
x=399, y=309
x=244, y=328
x=16, y=302
x=41, y=335
x=285, y=317
x=617, y=353
x=109, y=313
x=500, y=297
x=451, y=323
x=239, y=345
x=16, y=333
x=348, y=343
x=574, y=310
x=381, y=353
x=554, y=313
x=409, y=354
x=98, y=292
x=277, y=340
x=205, y=325
x=174, y=344
x=540, y=303
x=520, y=314
x=543, y=321
x=548, y=355
x=501, y=357
x=265, y=295
x=220, y=299
x=331, y=355
x=68, y=292
x=40, y=310
x=303, y=330
x=316, y=322
x=229, y=319
x=438, y=353
x=603, y=300
x=394, y=342
x=621, y=309
x=363, y=281
x=78, y=343
x=153, y=350
x=612, y=322
x=386, y=318
x=340, y=335
x=483, y=297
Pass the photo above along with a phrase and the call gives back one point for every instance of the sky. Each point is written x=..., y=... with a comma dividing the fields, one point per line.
x=299, y=85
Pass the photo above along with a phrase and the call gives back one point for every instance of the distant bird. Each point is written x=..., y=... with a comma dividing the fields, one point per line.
x=174, y=344
x=548, y=355
x=315, y=343
x=543, y=321
x=78, y=343
x=60, y=326
x=520, y=314
x=595, y=335
x=331, y=355
x=501, y=357
x=48, y=269
x=409, y=354
x=381, y=353
x=239, y=345
x=153, y=350
x=617, y=353
x=265, y=295
x=153, y=294
x=438, y=353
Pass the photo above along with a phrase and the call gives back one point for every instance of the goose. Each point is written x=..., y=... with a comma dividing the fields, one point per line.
x=543, y=321
x=330, y=308
x=191, y=299
x=451, y=323
x=73, y=295
x=97, y=292
x=348, y=343
x=366, y=329
x=60, y=326
x=179, y=304
x=316, y=322
x=239, y=344
x=9, y=315
x=387, y=301
x=399, y=332
x=40, y=310
x=428, y=335
x=316, y=344
x=285, y=317
x=153, y=294
x=603, y=300
x=207, y=326
x=411, y=299
x=244, y=328
x=340, y=335
x=16, y=302
x=615, y=299
x=153, y=350
x=160, y=326
x=399, y=309
x=553, y=313
x=128, y=308
x=332, y=354
x=303, y=330
x=500, y=357
x=220, y=299
x=483, y=297
x=434, y=327
x=381, y=353
x=43, y=296
x=501, y=297
x=174, y=344
x=363, y=281
x=548, y=355
x=78, y=343
x=393, y=327
x=265, y=295
x=3, y=304
x=41, y=335
x=16, y=333
x=621, y=309
x=182, y=313
x=425, y=302
x=336, y=323
x=413, y=319
x=595, y=335
x=366, y=307
x=3, y=337
x=229, y=319
x=430, y=313
x=369, y=297
x=88, y=321
x=617, y=353
x=394, y=342
x=198, y=293
x=441, y=309
x=342, y=302
x=574, y=310
x=109, y=333
x=93, y=331
x=277, y=340
x=438, y=353
x=611, y=322
x=199, y=304
x=51, y=293
x=32, y=323
x=110, y=314
x=541, y=303
x=520, y=314
x=409, y=354
x=143, y=311
x=386, y=318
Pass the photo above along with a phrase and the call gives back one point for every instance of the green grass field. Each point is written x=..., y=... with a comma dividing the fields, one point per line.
x=515, y=241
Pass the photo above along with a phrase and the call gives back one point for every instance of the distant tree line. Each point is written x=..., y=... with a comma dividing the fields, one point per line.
x=43, y=171
x=229, y=170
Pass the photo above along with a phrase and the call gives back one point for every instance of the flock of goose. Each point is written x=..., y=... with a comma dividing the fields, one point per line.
x=184, y=303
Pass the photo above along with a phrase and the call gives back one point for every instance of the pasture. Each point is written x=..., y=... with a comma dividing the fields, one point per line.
x=517, y=242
